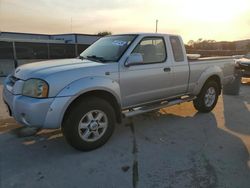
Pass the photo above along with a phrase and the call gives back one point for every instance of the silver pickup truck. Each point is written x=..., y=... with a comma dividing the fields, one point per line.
x=118, y=76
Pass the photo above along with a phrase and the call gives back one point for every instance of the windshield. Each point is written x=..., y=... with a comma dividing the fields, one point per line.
x=108, y=49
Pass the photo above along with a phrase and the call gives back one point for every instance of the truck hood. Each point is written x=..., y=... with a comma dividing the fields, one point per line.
x=44, y=68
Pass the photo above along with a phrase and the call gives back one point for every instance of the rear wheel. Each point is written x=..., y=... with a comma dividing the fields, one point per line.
x=89, y=124
x=207, y=99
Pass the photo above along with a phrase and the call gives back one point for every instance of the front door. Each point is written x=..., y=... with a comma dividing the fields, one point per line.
x=180, y=67
x=150, y=80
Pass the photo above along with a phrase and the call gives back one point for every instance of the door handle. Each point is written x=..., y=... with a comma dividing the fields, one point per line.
x=167, y=69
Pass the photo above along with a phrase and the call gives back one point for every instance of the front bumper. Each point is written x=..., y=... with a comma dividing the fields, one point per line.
x=42, y=113
x=245, y=68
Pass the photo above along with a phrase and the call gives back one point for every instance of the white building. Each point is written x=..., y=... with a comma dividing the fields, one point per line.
x=20, y=48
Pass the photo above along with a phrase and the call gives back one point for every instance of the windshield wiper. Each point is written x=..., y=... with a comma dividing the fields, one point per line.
x=96, y=58
x=81, y=57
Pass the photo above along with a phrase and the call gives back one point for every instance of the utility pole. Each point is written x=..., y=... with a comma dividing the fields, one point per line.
x=71, y=24
x=156, y=26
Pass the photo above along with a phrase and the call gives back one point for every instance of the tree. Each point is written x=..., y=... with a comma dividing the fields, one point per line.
x=228, y=46
x=201, y=44
x=188, y=47
x=190, y=44
x=248, y=46
x=104, y=33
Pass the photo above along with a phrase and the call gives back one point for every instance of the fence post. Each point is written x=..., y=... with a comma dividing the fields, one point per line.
x=76, y=50
x=48, y=47
x=76, y=46
x=14, y=54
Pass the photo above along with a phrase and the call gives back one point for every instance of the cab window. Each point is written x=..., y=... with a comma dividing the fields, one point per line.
x=152, y=49
x=177, y=48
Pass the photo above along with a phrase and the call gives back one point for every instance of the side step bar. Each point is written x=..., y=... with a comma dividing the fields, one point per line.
x=164, y=104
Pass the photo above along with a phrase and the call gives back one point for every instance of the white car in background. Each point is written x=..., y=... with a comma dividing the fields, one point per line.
x=244, y=65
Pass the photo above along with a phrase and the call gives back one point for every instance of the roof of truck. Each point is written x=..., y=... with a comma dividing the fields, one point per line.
x=146, y=34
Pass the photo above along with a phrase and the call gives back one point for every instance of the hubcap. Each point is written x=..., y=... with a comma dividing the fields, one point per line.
x=210, y=97
x=93, y=125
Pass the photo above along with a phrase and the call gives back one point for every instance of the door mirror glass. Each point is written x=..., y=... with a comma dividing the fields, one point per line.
x=134, y=59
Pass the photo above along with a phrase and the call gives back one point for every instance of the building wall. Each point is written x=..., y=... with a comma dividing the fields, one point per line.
x=24, y=36
x=20, y=48
x=242, y=44
x=85, y=39
x=65, y=38
x=76, y=38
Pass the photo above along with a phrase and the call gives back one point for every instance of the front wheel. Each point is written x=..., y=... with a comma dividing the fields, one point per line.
x=89, y=124
x=207, y=98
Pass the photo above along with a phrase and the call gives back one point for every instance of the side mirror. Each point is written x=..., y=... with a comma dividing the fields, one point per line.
x=134, y=59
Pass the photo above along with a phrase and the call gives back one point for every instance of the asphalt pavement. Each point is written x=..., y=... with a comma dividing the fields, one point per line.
x=175, y=147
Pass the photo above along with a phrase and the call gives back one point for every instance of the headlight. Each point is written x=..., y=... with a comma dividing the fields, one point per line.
x=35, y=88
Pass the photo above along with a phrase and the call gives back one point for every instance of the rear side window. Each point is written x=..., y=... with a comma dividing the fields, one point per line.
x=177, y=48
x=152, y=49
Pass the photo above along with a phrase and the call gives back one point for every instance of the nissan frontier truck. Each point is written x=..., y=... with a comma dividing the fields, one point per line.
x=118, y=76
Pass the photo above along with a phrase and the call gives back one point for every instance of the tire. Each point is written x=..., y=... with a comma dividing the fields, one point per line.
x=208, y=97
x=89, y=124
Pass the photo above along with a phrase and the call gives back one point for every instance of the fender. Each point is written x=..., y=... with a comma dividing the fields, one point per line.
x=211, y=71
x=83, y=85
x=76, y=88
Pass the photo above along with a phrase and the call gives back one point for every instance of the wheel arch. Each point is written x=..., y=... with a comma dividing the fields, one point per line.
x=200, y=102
x=103, y=94
x=217, y=79
x=213, y=73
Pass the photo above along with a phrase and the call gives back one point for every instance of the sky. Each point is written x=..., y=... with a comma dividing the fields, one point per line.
x=220, y=20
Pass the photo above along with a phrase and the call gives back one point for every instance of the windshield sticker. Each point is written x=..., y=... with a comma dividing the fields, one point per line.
x=119, y=43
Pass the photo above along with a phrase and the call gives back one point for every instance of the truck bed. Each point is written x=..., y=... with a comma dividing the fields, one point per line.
x=201, y=65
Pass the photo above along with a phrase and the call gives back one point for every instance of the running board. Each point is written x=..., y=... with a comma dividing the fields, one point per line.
x=164, y=104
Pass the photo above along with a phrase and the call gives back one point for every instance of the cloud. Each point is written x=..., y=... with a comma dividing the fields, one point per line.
x=193, y=19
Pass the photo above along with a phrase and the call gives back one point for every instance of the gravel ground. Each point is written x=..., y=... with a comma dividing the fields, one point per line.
x=175, y=147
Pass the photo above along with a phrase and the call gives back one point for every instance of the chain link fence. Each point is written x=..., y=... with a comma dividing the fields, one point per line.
x=13, y=54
